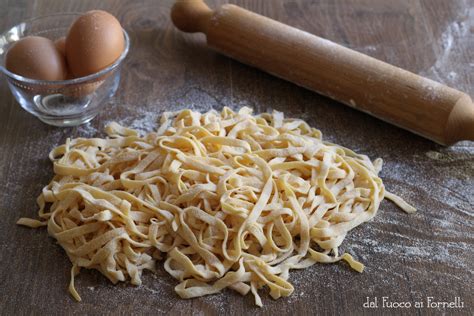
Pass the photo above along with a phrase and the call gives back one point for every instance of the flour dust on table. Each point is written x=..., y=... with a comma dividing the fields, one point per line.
x=227, y=199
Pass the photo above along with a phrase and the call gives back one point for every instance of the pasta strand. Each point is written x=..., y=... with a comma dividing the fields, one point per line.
x=230, y=200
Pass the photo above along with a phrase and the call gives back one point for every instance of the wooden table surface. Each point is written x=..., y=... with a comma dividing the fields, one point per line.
x=408, y=258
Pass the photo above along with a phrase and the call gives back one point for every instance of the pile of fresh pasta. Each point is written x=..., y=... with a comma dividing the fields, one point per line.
x=227, y=200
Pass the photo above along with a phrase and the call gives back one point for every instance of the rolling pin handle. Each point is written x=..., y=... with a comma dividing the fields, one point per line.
x=191, y=16
x=430, y=109
x=460, y=125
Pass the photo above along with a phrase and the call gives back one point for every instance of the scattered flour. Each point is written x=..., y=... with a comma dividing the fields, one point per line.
x=87, y=130
x=450, y=222
x=146, y=123
x=433, y=155
x=455, y=42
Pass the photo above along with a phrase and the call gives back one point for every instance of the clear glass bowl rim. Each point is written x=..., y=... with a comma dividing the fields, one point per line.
x=74, y=81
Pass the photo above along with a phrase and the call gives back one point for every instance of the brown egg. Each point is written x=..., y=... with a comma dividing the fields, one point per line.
x=61, y=45
x=94, y=41
x=36, y=57
x=81, y=89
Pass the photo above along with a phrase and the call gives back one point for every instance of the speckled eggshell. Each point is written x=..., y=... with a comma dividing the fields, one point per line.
x=94, y=41
x=36, y=57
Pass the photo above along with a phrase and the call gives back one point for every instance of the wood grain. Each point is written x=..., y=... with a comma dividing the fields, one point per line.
x=423, y=106
x=408, y=257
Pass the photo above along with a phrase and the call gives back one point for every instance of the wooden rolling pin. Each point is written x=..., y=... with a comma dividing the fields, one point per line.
x=402, y=98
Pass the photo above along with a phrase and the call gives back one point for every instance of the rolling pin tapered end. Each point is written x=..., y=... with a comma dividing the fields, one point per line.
x=435, y=111
x=460, y=125
x=191, y=16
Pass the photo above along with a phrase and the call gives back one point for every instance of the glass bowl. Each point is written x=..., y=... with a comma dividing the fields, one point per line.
x=60, y=103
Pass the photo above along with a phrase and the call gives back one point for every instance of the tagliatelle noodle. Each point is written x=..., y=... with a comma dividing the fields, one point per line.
x=228, y=200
